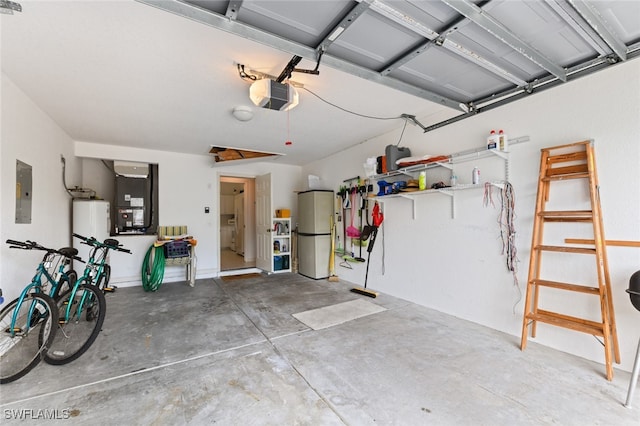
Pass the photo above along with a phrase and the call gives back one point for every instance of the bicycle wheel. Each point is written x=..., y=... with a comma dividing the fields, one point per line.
x=77, y=332
x=34, y=330
x=66, y=282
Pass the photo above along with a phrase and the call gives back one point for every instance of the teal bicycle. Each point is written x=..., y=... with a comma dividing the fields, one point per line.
x=99, y=270
x=83, y=308
x=28, y=323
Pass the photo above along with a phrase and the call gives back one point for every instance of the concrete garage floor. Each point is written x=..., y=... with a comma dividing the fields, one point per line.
x=231, y=353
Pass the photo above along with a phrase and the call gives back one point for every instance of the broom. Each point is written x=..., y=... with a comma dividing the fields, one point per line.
x=377, y=220
x=332, y=258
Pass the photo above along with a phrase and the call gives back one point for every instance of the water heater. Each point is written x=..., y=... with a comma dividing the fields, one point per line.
x=91, y=218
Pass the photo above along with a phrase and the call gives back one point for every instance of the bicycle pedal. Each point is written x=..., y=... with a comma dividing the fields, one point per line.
x=15, y=330
x=110, y=289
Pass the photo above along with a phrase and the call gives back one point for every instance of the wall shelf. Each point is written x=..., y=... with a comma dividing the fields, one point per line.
x=456, y=158
x=449, y=191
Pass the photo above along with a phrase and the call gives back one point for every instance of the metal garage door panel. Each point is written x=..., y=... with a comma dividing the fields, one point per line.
x=623, y=18
x=373, y=41
x=433, y=14
x=465, y=51
x=544, y=30
x=442, y=71
x=489, y=47
x=304, y=22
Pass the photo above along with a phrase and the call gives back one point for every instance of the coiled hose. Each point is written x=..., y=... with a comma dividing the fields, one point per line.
x=153, y=268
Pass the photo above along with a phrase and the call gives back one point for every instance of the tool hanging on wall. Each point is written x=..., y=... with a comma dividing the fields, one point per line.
x=343, y=196
x=339, y=219
x=352, y=231
x=332, y=258
x=360, y=241
x=366, y=231
x=377, y=217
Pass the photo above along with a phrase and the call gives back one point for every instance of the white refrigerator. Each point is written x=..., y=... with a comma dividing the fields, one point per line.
x=315, y=212
x=91, y=218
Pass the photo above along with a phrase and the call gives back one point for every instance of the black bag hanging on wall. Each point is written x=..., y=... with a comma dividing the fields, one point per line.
x=394, y=153
x=380, y=167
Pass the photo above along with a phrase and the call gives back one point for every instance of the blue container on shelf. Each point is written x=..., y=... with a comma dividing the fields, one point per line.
x=277, y=263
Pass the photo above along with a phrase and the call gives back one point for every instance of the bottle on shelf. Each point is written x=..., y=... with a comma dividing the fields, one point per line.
x=502, y=141
x=422, y=181
x=453, y=180
x=492, y=140
x=475, y=176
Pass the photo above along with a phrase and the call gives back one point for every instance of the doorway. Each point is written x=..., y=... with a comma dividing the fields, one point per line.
x=237, y=224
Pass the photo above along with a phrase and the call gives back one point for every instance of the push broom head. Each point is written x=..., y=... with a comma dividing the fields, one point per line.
x=364, y=292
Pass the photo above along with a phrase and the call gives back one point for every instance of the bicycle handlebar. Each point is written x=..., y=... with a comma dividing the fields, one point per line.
x=27, y=245
x=32, y=245
x=109, y=243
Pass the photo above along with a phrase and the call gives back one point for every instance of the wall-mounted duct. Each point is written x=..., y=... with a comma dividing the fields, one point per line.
x=131, y=169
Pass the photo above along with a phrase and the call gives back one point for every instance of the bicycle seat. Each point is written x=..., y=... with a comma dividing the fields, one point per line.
x=111, y=242
x=68, y=251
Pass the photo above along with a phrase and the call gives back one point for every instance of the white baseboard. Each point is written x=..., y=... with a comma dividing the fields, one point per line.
x=171, y=274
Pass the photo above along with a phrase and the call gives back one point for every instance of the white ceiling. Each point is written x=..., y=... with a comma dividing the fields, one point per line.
x=127, y=73
x=124, y=73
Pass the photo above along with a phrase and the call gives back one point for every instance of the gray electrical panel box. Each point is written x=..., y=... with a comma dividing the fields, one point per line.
x=132, y=204
x=24, y=183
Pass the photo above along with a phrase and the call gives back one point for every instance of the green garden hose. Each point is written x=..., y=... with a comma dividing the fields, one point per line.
x=153, y=268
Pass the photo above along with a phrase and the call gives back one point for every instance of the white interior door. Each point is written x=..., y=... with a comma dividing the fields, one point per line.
x=263, y=223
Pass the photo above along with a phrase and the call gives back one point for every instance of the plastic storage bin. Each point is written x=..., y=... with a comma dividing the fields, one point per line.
x=178, y=248
x=278, y=264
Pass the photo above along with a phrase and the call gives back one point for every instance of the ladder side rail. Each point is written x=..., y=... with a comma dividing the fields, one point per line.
x=604, y=279
x=534, y=258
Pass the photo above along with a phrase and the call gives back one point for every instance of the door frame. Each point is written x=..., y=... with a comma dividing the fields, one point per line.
x=239, y=177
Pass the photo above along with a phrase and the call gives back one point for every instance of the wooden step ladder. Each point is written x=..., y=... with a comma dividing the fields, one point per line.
x=560, y=163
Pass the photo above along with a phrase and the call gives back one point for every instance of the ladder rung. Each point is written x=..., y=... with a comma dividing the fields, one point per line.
x=619, y=243
x=563, y=249
x=566, y=321
x=567, y=216
x=565, y=158
x=582, y=144
x=566, y=177
x=567, y=286
x=578, y=170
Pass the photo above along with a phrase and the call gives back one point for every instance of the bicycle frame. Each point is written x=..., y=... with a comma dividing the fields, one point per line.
x=95, y=268
x=36, y=283
x=97, y=265
x=14, y=317
x=92, y=271
x=86, y=277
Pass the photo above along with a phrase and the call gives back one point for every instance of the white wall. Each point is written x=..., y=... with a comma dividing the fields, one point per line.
x=455, y=265
x=29, y=135
x=187, y=184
